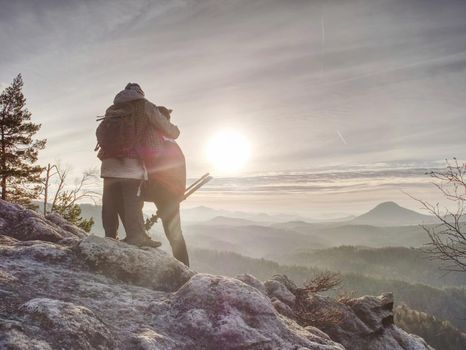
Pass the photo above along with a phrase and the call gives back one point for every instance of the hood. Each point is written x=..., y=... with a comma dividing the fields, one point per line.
x=120, y=107
x=127, y=96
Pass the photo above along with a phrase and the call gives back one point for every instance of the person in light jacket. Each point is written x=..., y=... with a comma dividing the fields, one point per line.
x=123, y=172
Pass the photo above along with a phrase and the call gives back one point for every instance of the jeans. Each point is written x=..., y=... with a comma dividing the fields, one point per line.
x=120, y=199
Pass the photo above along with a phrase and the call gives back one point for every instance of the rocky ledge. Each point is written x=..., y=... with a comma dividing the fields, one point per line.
x=62, y=289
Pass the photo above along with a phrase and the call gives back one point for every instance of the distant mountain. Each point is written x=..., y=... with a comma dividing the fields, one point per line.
x=251, y=240
x=225, y=220
x=337, y=219
x=199, y=214
x=336, y=234
x=202, y=213
x=259, y=239
x=305, y=227
x=391, y=214
x=262, y=238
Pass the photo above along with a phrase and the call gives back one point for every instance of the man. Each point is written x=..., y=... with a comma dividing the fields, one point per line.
x=123, y=135
x=166, y=187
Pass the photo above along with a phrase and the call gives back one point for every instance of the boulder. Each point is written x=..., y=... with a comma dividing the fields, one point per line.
x=147, y=267
x=365, y=323
x=217, y=312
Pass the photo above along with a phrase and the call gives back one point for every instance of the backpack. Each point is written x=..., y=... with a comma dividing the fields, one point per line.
x=116, y=133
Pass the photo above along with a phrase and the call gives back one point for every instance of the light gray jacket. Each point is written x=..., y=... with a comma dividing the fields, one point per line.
x=131, y=168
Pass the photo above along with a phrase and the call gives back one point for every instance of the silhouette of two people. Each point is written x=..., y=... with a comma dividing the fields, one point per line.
x=141, y=161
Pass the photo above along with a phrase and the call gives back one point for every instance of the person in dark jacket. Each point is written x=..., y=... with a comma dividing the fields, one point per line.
x=166, y=187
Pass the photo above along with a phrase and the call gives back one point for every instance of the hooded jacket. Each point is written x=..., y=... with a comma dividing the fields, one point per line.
x=150, y=121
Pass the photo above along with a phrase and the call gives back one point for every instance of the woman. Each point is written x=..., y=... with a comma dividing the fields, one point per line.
x=166, y=168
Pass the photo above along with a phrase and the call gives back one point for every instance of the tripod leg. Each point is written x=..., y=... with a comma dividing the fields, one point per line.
x=197, y=181
x=197, y=186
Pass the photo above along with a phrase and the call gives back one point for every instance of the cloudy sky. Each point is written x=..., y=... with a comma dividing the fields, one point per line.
x=345, y=103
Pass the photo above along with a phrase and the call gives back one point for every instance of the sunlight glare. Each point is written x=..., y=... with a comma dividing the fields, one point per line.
x=228, y=151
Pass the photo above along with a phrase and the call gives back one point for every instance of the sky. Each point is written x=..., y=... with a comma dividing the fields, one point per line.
x=345, y=104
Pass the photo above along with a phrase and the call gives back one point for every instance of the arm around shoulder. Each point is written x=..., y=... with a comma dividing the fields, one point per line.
x=160, y=122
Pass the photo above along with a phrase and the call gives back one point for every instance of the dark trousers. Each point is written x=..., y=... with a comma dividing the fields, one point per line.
x=168, y=209
x=120, y=199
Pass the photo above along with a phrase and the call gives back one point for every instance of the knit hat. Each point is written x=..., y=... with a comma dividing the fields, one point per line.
x=135, y=87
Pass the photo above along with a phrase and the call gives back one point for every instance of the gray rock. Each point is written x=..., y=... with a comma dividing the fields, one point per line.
x=25, y=224
x=12, y=337
x=278, y=290
x=366, y=323
x=252, y=281
x=147, y=267
x=375, y=312
x=36, y=250
x=216, y=312
x=61, y=279
x=65, y=225
x=283, y=309
x=67, y=325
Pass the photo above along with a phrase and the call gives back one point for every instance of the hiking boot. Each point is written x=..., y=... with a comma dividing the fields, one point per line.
x=143, y=241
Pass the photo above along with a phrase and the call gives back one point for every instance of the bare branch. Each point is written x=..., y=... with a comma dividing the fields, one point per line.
x=323, y=282
x=448, y=237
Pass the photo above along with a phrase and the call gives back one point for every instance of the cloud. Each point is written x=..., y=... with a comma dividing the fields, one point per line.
x=359, y=179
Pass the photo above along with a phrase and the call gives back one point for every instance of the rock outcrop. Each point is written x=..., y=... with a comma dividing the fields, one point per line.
x=151, y=268
x=25, y=224
x=62, y=289
x=366, y=323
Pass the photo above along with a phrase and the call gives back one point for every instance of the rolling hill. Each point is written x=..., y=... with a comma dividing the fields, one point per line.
x=251, y=240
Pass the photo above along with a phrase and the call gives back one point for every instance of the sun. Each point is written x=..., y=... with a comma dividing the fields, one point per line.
x=228, y=151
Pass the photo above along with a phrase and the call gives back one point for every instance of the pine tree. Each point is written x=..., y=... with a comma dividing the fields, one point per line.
x=71, y=212
x=19, y=176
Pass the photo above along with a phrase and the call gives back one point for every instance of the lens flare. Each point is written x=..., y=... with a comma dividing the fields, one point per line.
x=228, y=151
